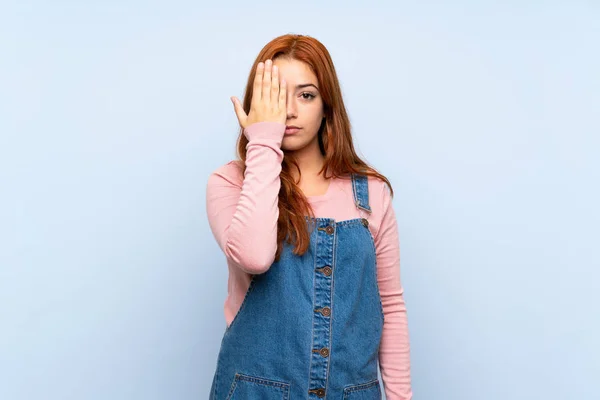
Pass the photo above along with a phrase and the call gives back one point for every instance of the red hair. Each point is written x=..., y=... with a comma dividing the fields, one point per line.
x=335, y=137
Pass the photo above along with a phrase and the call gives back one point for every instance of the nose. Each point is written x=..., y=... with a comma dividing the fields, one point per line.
x=291, y=109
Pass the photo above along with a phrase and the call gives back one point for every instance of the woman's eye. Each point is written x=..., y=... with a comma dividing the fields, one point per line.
x=308, y=96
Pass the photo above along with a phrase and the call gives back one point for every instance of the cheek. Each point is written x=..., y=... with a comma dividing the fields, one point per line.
x=314, y=112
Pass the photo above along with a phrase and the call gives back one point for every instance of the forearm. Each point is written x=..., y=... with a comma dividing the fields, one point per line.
x=244, y=220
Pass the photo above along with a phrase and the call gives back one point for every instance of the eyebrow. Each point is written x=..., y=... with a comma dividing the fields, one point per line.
x=303, y=85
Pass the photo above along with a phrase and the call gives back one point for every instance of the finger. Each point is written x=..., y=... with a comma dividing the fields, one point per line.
x=258, y=78
x=266, y=83
x=239, y=110
x=283, y=95
x=275, y=86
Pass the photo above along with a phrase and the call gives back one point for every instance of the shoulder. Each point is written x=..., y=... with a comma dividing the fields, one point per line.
x=380, y=200
x=379, y=191
x=231, y=173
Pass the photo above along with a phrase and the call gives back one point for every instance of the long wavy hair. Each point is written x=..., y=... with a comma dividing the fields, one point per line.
x=335, y=137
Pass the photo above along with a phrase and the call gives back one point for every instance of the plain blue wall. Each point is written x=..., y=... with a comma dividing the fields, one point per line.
x=114, y=113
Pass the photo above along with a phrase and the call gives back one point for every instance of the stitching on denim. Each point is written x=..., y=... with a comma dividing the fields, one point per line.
x=283, y=386
x=262, y=381
x=348, y=390
x=372, y=240
x=331, y=290
x=370, y=234
x=355, y=195
x=232, y=387
x=312, y=327
x=357, y=192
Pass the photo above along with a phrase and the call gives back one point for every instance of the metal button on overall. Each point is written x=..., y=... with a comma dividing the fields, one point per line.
x=324, y=352
x=329, y=230
x=319, y=392
x=326, y=270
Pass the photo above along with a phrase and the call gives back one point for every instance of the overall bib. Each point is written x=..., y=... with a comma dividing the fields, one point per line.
x=310, y=327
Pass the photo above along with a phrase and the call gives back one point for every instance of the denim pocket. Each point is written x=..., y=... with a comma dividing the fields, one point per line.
x=364, y=391
x=245, y=387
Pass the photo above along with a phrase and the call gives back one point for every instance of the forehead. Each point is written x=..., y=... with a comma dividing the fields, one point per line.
x=295, y=71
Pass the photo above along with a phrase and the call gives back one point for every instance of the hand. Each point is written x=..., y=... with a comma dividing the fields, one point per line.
x=269, y=98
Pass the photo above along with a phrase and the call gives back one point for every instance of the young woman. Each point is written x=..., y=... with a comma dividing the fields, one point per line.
x=314, y=301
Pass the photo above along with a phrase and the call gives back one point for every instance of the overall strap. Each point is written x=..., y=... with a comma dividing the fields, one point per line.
x=360, y=187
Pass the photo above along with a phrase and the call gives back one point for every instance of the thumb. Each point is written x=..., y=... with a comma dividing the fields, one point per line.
x=239, y=111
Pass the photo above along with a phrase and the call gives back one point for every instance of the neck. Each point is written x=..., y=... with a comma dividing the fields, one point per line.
x=310, y=161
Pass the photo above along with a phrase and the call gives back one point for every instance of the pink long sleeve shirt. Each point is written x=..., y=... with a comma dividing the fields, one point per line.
x=242, y=212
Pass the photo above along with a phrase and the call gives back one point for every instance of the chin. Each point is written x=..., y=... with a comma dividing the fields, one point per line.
x=292, y=148
x=297, y=142
x=289, y=144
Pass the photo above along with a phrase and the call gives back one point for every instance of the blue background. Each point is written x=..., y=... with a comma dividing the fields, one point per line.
x=484, y=116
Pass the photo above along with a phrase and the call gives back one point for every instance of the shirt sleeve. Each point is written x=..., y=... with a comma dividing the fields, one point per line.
x=394, y=352
x=243, y=212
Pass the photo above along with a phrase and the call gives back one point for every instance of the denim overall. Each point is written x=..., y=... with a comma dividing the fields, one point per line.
x=309, y=327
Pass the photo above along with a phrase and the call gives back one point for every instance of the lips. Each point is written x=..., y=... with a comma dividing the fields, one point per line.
x=289, y=129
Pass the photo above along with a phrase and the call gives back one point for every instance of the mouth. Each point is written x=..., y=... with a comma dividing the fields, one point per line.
x=291, y=129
